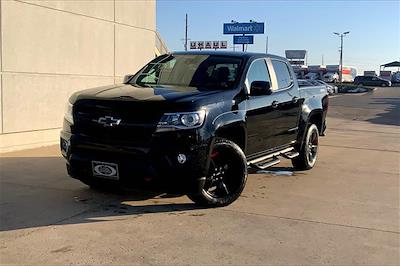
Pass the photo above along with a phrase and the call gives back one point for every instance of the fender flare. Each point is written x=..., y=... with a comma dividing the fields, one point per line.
x=230, y=120
x=304, y=122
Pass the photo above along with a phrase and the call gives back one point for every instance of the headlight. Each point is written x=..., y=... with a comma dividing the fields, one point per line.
x=68, y=113
x=173, y=121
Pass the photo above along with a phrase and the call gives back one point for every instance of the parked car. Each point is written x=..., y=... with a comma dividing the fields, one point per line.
x=312, y=76
x=332, y=89
x=199, y=119
x=331, y=77
x=304, y=83
x=396, y=77
x=371, y=81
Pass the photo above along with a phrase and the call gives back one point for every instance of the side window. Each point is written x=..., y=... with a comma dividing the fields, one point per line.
x=283, y=75
x=257, y=72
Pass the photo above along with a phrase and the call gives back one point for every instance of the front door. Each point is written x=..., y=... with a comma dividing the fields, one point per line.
x=375, y=82
x=261, y=112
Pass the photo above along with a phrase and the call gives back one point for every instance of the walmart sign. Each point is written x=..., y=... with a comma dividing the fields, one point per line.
x=244, y=28
x=248, y=39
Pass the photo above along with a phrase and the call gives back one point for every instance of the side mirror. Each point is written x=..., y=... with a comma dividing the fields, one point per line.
x=260, y=88
x=127, y=77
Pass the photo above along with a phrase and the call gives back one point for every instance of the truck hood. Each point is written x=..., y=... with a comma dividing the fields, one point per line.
x=128, y=92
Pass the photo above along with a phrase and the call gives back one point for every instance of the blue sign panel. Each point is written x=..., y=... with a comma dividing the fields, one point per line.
x=248, y=39
x=244, y=28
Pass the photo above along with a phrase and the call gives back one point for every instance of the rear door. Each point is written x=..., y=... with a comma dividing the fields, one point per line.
x=368, y=81
x=286, y=95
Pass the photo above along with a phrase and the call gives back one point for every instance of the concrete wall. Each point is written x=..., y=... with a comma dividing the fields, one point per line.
x=49, y=49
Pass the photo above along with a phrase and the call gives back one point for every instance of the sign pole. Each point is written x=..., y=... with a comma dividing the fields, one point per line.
x=243, y=45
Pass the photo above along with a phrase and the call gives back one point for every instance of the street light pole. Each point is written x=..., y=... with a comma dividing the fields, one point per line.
x=341, y=54
x=186, y=32
x=341, y=59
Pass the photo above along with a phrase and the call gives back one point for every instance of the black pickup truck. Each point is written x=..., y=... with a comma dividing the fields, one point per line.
x=196, y=119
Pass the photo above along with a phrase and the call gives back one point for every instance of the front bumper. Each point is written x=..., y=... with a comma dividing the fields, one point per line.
x=156, y=162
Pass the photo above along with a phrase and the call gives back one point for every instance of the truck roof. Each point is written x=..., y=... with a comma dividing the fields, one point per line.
x=245, y=55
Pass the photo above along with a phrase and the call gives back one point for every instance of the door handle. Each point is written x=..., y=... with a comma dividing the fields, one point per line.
x=295, y=99
x=274, y=104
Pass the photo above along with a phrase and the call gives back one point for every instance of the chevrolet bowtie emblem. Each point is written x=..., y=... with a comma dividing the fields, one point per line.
x=108, y=121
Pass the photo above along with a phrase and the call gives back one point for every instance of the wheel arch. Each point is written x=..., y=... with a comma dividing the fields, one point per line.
x=314, y=117
x=235, y=132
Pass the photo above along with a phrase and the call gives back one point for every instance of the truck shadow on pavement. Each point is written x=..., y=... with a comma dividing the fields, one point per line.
x=391, y=116
x=36, y=191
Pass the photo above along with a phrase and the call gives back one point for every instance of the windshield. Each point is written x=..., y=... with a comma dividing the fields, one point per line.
x=209, y=72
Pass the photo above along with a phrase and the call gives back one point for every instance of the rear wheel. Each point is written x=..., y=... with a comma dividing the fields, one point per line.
x=383, y=84
x=226, y=177
x=309, y=150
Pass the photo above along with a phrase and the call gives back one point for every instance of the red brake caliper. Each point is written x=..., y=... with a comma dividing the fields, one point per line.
x=214, y=154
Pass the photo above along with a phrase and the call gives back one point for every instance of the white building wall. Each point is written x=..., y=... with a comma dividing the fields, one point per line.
x=49, y=49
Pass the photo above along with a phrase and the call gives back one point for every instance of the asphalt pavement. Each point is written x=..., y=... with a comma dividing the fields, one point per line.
x=344, y=211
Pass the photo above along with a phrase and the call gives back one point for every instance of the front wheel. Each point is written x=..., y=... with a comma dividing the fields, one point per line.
x=383, y=84
x=309, y=150
x=226, y=177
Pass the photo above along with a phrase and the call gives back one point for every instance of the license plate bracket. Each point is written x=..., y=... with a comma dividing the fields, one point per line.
x=105, y=170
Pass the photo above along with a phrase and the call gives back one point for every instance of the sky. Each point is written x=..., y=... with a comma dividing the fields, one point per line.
x=374, y=27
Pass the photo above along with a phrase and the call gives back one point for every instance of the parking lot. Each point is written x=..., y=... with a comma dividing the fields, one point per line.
x=344, y=211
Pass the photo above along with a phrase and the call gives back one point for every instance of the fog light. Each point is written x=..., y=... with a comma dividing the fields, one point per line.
x=181, y=158
x=64, y=145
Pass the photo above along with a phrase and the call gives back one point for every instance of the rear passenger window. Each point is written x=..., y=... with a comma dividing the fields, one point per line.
x=283, y=75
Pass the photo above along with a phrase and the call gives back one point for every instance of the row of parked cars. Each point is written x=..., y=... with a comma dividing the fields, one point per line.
x=359, y=81
x=330, y=88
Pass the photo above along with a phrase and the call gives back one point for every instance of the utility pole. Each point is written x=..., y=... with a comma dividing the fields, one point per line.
x=322, y=60
x=341, y=35
x=266, y=45
x=186, y=32
x=341, y=59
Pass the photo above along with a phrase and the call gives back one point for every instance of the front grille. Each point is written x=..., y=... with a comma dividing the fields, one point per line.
x=138, y=120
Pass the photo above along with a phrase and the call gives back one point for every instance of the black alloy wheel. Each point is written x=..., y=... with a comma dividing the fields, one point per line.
x=308, y=153
x=226, y=177
x=312, y=147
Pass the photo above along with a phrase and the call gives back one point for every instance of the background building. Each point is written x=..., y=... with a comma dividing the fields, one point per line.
x=49, y=49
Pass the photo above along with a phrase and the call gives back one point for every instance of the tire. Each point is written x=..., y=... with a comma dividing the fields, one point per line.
x=383, y=85
x=309, y=150
x=360, y=84
x=226, y=178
